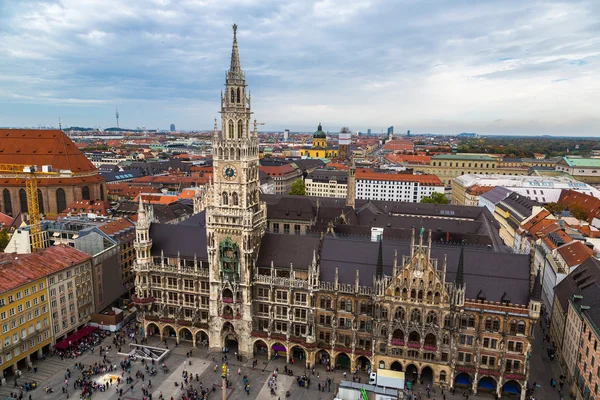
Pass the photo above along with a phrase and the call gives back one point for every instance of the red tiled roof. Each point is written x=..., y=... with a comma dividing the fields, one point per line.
x=535, y=219
x=88, y=206
x=589, y=203
x=169, y=179
x=5, y=220
x=116, y=226
x=430, y=180
x=42, y=147
x=50, y=182
x=19, y=269
x=130, y=191
x=278, y=170
x=575, y=253
x=477, y=190
x=410, y=159
x=399, y=145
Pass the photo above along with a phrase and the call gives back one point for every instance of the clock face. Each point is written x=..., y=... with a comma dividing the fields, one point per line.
x=229, y=172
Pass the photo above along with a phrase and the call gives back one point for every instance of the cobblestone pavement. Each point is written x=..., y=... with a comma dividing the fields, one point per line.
x=52, y=370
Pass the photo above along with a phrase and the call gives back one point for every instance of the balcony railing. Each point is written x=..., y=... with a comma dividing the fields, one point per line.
x=414, y=345
x=398, y=342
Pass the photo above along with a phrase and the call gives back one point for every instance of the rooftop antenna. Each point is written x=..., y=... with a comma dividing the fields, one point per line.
x=117, y=115
x=59, y=124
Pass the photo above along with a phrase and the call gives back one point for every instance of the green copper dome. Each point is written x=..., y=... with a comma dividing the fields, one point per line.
x=319, y=134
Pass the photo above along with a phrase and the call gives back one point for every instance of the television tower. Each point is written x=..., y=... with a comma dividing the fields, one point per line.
x=117, y=115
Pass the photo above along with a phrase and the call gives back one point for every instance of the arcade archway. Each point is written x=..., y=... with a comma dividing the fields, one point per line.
x=396, y=366
x=201, y=339
x=278, y=350
x=426, y=376
x=511, y=389
x=342, y=361
x=363, y=364
x=323, y=358
x=152, y=329
x=186, y=335
x=463, y=379
x=487, y=384
x=260, y=349
x=230, y=339
x=298, y=354
x=169, y=332
x=412, y=373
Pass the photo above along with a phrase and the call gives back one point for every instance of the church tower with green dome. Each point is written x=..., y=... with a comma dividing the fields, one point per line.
x=319, y=139
x=319, y=148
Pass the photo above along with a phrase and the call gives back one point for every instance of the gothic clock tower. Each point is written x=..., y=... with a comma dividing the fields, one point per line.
x=235, y=217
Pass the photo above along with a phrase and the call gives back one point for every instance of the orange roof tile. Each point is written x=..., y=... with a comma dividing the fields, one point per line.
x=589, y=203
x=575, y=253
x=410, y=159
x=426, y=179
x=399, y=145
x=535, y=219
x=87, y=206
x=477, y=190
x=20, y=269
x=116, y=226
x=278, y=170
x=42, y=147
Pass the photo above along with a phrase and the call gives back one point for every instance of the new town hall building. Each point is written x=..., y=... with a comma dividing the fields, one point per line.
x=421, y=288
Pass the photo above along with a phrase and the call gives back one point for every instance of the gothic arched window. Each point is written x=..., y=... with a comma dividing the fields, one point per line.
x=399, y=315
x=415, y=315
x=238, y=154
x=232, y=96
x=7, y=202
x=23, y=200
x=234, y=199
x=230, y=129
x=40, y=201
x=240, y=128
x=61, y=200
x=239, y=98
x=85, y=193
x=101, y=192
x=225, y=199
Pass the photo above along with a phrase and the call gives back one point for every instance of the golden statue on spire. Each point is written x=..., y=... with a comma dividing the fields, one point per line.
x=234, y=28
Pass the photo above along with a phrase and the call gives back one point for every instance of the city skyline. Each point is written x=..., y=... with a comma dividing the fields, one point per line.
x=500, y=68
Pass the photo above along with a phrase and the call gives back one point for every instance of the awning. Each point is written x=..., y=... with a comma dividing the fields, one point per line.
x=70, y=340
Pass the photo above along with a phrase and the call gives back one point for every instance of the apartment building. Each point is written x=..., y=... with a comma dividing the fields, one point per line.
x=25, y=303
x=71, y=296
x=327, y=183
x=283, y=176
x=371, y=185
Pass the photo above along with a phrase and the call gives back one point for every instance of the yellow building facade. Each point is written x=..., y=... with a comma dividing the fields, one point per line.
x=25, y=324
x=319, y=148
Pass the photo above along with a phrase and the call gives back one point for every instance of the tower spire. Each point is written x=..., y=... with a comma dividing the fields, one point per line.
x=380, y=258
x=235, y=70
x=460, y=271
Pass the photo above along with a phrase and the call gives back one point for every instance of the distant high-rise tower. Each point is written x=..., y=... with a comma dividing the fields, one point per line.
x=286, y=135
x=408, y=133
x=117, y=116
x=369, y=131
x=390, y=132
x=172, y=127
x=345, y=142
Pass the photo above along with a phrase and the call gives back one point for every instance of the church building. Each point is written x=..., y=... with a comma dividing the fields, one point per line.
x=319, y=148
x=421, y=288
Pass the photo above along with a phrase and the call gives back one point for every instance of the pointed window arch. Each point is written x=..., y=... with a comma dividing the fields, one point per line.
x=23, y=200
x=101, y=192
x=61, y=200
x=7, y=202
x=85, y=193
x=225, y=198
x=238, y=153
x=230, y=128
x=40, y=201
x=234, y=199
x=240, y=128
x=232, y=95
x=239, y=98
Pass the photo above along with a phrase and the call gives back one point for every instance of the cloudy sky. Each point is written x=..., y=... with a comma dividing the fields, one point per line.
x=446, y=66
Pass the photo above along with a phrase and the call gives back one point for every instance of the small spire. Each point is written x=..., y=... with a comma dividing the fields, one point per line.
x=460, y=271
x=141, y=205
x=215, y=128
x=380, y=258
x=536, y=293
x=235, y=70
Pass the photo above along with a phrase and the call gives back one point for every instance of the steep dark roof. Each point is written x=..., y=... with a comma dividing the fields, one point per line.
x=292, y=208
x=185, y=240
x=519, y=203
x=583, y=276
x=284, y=250
x=489, y=272
x=590, y=305
x=536, y=293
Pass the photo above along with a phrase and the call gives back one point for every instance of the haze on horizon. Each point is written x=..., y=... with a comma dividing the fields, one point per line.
x=496, y=67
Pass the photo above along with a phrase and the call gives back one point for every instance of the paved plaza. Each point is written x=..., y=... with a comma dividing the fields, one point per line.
x=51, y=372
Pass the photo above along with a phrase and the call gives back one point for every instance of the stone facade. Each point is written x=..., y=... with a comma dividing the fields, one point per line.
x=411, y=318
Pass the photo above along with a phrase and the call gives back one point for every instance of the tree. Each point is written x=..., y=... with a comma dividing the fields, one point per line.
x=555, y=208
x=298, y=188
x=4, y=239
x=578, y=211
x=435, y=198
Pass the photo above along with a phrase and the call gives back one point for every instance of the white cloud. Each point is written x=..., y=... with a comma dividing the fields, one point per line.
x=438, y=65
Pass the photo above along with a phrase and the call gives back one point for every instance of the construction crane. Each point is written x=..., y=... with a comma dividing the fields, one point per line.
x=30, y=174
